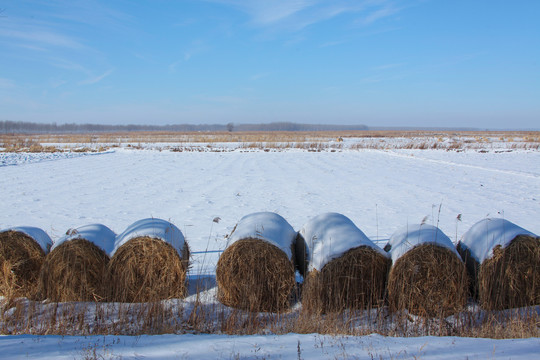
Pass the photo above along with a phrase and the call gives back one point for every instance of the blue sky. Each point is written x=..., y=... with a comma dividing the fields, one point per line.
x=440, y=63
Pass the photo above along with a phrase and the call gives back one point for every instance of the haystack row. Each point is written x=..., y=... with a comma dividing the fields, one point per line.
x=342, y=268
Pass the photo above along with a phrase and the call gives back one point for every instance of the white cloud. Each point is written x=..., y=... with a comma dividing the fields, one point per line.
x=96, y=79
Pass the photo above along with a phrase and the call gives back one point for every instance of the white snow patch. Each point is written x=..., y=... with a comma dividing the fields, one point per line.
x=330, y=235
x=37, y=234
x=267, y=226
x=486, y=234
x=154, y=228
x=98, y=234
x=410, y=236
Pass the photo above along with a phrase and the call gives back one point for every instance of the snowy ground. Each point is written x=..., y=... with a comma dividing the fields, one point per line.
x=380, y=190
x=292, y=346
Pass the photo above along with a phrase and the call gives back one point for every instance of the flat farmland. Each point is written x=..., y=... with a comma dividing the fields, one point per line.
x=206, y=187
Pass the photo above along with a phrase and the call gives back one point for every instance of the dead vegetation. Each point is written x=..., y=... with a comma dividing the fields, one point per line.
x=274, y=140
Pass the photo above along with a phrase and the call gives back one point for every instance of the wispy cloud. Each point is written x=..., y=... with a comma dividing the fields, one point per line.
x=387, y=66
x=298, y=14
x=259, y=76
x=379, y=13
x=96, y=79
x=264, y=12
x=6, y=83
x=39, y=39
x=333, y=43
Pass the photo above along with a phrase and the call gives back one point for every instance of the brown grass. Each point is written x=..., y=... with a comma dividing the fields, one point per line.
x=146, y=269
x=20, y=261
x=74, y=271
x=356, y=280
x=511, y=278
x=255, y=275
x=428, y=280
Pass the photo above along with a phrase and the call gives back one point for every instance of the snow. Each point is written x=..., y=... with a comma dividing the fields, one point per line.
x=377, y=189
x=330, y=235
x=154, y=228
x=488, y=233
x=35, y=233
x=410, y=236
x=266, y=226
x=98, y=234
x=291, y=346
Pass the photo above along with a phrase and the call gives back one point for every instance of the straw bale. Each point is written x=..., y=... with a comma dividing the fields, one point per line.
x=146, y=269
x=428, y=280
x=255, y=275
x=511, y=277
x=355, y=280
x=20, y=261
x=76, y=270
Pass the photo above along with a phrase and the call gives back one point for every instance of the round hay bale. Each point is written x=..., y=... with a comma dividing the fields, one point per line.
x=255, y=275
x=149, y=263
x=76, y=270
x=21, y=257
x=504, y=262
x=427, y=277
x=346, y=269
x=76, y=267
x=256, y=272
x=356, y=280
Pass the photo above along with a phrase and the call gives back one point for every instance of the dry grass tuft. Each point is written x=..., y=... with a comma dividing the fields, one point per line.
x=146, y=269
x=511, y=278
x=20, y=261
x=356, y=280
x=428, y=280
x=255, y=275
x=74, y=271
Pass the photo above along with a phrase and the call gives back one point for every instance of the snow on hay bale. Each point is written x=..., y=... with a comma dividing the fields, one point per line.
x=346, y=270
x=76, y=267
x=22, y=250
x=427, y=277
x=256, y=272
x=503, y=260
x=149, y=262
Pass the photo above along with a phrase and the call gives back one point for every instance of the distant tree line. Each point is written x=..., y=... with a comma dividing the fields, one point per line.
x=18, y=127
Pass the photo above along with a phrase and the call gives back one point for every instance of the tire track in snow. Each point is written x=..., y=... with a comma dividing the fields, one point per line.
x=477, y=167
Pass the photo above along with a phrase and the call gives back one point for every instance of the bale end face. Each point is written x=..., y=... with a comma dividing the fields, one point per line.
x=256, y=276
x=511, y=278
x=146, y=269
x=20, y=261
x=74, y=271
x=428, y=280
x=356, y=280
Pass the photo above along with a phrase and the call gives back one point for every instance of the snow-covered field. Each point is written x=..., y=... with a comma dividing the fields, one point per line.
x=379, y=190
